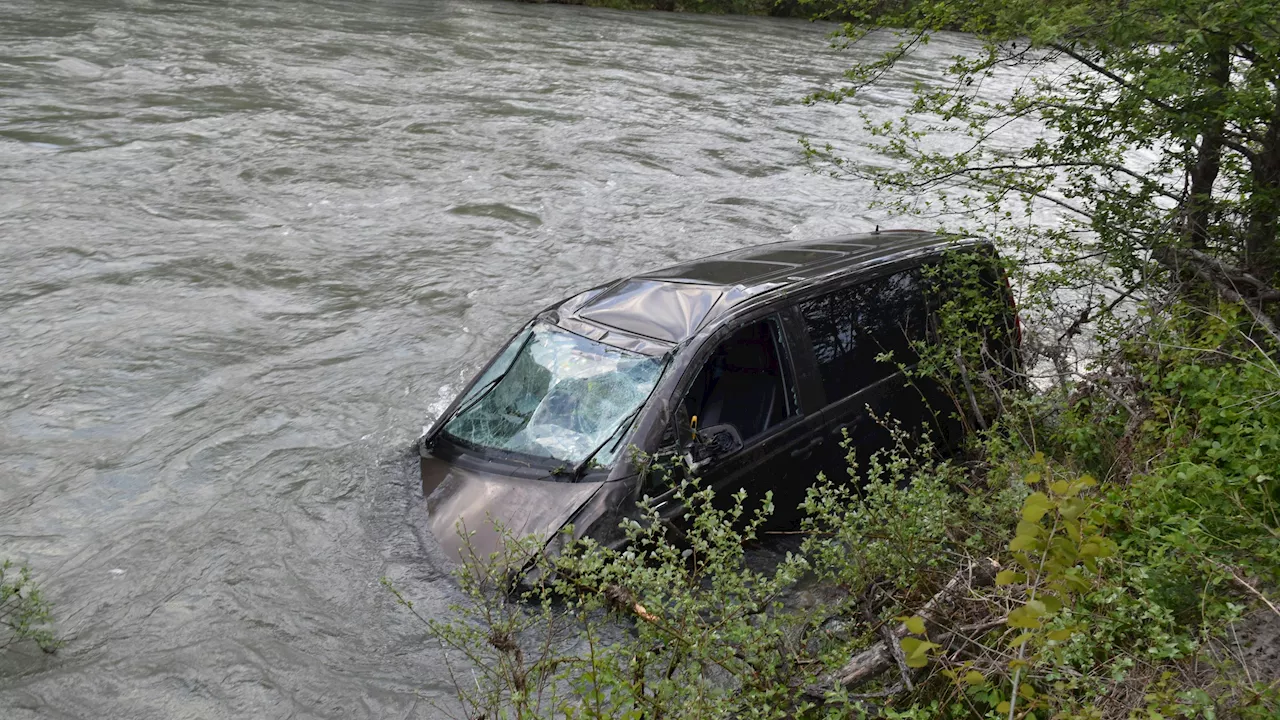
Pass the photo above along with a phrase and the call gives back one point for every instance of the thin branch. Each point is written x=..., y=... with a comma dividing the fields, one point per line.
x=1243, y=583
x=970, y=170
x=1080, y=58
x=1241, y=148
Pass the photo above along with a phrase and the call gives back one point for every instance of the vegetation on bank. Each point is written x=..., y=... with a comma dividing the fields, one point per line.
x=1109, y=546
x=1156, y=148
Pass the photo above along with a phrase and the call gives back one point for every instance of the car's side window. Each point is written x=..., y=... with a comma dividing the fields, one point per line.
x=745, y=383
x=851, y=327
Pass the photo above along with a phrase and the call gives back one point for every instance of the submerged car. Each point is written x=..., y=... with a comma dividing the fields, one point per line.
x=751, y=364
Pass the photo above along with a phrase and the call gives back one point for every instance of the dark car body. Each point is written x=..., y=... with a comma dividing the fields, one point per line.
x=773, y=347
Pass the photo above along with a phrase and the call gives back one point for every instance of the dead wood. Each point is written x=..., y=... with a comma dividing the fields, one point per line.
x=968, y=388
x=880, y=657
x=890, y=641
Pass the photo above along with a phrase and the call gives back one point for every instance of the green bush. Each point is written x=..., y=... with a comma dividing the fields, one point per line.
x=24, y=611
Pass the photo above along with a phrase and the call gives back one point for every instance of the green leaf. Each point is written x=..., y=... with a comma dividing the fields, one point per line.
x=1022, y=618
x=1060, y=635
x=1030, y=528
x=1035, y=506
x=1072, y=527
x=915, y=624
x=1073, y=508
x=973, y=677
x=1023, y=542
x=917, y=651
x=1009, y=577
x=1021, y=639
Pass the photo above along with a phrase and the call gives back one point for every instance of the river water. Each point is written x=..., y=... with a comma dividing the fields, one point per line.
x=248, y=249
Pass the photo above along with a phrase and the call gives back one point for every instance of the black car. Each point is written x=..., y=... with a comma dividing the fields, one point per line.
x=752, y=364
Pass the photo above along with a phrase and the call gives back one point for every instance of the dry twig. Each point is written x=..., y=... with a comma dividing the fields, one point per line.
x=880, y=657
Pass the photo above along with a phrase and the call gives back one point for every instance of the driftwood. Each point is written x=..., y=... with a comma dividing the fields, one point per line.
x=890, y=641
x=883, y=655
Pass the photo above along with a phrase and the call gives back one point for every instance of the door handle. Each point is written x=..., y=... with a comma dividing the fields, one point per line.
x=851, y=426
x=807, y=448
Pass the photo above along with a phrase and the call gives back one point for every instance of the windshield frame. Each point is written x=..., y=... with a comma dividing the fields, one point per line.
x=494, y=374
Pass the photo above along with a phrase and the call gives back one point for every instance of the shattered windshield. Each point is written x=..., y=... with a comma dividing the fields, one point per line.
x=561, y=397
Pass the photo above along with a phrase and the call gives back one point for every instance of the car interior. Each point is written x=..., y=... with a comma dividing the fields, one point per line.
x=741, y=384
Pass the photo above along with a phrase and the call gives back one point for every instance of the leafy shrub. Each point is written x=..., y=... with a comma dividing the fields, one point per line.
x=24, y=611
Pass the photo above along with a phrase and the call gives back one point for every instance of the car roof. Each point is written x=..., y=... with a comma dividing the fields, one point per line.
x=652, y=311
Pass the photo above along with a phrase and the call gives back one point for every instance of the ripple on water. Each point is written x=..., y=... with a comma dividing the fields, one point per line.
x=499, y=212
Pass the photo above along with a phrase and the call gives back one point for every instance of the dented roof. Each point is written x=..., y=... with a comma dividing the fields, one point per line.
x=654, y=311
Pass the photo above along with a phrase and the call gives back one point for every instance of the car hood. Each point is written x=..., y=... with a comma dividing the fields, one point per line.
x=475, y=501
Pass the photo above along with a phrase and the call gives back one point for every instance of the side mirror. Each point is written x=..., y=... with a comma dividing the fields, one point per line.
x=713, y=443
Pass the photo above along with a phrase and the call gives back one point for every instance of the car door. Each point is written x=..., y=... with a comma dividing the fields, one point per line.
x=745, y=381
x=806, y=457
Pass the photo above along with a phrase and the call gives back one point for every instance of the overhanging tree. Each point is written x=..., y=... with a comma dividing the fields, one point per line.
x=1160, y=142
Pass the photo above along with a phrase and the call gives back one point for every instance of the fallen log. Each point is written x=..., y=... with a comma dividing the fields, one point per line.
x=881, y=656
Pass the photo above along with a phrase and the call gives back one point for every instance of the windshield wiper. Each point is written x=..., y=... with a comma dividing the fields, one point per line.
x=581, y=467
x=481, y=393
x=621, y=429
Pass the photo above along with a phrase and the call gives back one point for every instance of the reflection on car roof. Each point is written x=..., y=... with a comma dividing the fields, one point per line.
x=660, y=310
x=671, y=304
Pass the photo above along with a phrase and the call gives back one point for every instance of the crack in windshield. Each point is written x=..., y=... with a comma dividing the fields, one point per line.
x=557, y=395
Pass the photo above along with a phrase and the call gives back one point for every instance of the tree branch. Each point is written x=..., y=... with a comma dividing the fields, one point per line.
x=973, y=169
x=879, y=657
x=1202, y=265
x=1071, y=52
